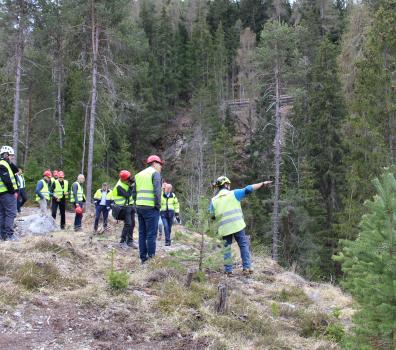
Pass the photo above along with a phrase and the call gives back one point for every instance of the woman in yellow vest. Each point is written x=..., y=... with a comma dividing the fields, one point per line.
x=102, y=199
x=226, y=210
x=169, y=208
x=42, y=191
x=122, y=195
x=60, y=191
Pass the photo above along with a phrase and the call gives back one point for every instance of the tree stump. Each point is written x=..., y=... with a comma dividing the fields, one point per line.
x=190, y=274
x=222, y=299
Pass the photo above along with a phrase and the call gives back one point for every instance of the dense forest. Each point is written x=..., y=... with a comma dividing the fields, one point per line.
x=301, y=92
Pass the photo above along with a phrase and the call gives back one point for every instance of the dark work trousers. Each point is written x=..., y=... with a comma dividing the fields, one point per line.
x=148, y=228
x=101, y=209
x=167, y=221
x=78, y=218
x=8, y=210
x=129, y=225
x=62, y=209
x=22, y=198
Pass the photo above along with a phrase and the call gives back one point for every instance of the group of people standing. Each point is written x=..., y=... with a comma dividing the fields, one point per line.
x=145, y=194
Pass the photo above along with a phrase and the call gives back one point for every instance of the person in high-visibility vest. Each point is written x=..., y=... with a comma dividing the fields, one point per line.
x=102, y=198
x=22, y=196
x=43, y=191
x=60, y=191
x=160, y=223
x=8, y=194
x=148, y=204
x=226, y=210
x=77, y=197
x=169, y=209
x=54, y=177
x=123, y=195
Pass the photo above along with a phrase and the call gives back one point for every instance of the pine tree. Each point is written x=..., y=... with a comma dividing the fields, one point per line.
x=369, y=264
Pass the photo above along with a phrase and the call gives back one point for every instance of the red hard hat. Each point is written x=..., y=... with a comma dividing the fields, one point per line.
x=154, y=158
x=47, y=173
x=124, y=175
x=56, y=173
x=78, y=210
x=61, y=174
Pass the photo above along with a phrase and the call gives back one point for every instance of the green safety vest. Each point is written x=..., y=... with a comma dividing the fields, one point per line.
x=3, y=187
x=98, y=195
x=59, y=192
x=145, y=188
x=169, y=203
x=44, y=191
x=120, y=200
x=80, y=193
x=228, y=213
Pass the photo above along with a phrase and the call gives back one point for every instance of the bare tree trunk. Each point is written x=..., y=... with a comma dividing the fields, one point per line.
x=275, y=214
x=59, y=82
x=84, y=138
x=95, y=47
x=17, y=94
x=27, y=131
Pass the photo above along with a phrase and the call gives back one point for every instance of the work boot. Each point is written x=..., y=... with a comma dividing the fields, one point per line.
x=228, y=273
x=167, y=243
x=159, y=237
x=132, y=244
x=124, y=246
x=247, y=272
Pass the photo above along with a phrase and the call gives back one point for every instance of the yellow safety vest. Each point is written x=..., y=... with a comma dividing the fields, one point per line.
x=59, y=192
x=145, y=188
x=80, y=193
x=120, y=200
x=44, y=191
x=98, y=195
x=169, y=203
x=228, y=213
x=3, y=187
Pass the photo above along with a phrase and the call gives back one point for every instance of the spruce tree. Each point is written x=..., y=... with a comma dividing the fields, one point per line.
x=369, y=264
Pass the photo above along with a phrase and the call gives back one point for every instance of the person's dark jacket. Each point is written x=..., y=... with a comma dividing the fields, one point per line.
x=5, y=177
x=131, y=193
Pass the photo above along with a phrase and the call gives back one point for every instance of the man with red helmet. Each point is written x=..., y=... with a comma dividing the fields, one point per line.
x=148, y=204
x=60, y=191
x=42, y=191
x=122, y=195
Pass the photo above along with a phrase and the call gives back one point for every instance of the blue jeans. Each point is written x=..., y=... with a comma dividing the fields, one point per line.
x=78, y=218
x=243, y=244
x=148, y=227
x=167, y=221
x=101, y=209
x=8, y=210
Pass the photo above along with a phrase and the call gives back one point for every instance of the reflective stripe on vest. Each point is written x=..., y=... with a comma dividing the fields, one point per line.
x=120, y=200
x=21, y=181
x=59, y=192
x=3, y=187
x=80, y=193
x=228, y=213
x=44, y=191
x=145, y=188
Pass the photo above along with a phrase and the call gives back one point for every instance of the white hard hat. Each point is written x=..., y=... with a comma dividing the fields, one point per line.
x=7, y=149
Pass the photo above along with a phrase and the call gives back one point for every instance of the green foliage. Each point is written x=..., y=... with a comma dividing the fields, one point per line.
x=117, y=280
x=369, y=266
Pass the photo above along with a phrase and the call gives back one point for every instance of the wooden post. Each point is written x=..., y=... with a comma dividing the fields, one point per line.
x=190, y=274
x=222, y=299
